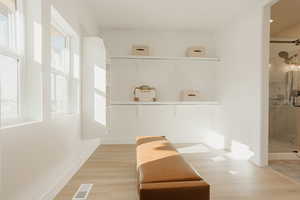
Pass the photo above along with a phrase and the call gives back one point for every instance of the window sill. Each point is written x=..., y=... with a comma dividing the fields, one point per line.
x=62, y=115
x=17, y=125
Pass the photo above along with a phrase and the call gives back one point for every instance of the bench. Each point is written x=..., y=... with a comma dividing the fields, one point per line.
x=163, y=174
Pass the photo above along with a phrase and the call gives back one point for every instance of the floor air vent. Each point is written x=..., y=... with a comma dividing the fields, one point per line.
x=83, y=192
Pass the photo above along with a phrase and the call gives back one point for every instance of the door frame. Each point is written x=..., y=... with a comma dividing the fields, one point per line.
x=264, y=139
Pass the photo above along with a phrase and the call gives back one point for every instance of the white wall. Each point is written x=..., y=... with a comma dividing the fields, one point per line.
x=94, y=93
x=242, y=74
x=179, y=123
x=37, y=158
x=161, y=43
x=242, y=86
x=169, y=77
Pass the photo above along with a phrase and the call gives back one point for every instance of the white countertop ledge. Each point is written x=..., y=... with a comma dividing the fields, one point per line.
x=167, y=103
x=214, y=59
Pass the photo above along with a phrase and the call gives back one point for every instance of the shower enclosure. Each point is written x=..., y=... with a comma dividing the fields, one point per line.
x=284, y=119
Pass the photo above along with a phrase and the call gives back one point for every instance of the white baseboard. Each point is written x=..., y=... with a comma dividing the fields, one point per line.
x=283, y=156
x=69, y=173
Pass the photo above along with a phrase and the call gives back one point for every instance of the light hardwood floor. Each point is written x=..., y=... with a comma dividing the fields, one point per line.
x=112, y=171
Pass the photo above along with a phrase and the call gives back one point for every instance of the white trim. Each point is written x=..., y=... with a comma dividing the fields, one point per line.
x=58, y=115
x=21, y=124
x=164, y=58
x=69, y=173
x=58, y=21
x=11, y=122
x=263, y=140
x=178, y=103
x=10, y=53
x=268, y=2
x=264, y=136
x=73, y=45
x=15, y=50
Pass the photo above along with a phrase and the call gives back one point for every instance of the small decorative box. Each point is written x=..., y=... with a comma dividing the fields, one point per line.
x=190, y=95
x=145, y=93
x=140, y=50
x=195, y=52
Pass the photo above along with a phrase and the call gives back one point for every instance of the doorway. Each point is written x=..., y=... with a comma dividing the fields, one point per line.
x=284, y=89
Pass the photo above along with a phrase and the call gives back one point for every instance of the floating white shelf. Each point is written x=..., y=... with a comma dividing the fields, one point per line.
x=164, y=58
x=179, y=103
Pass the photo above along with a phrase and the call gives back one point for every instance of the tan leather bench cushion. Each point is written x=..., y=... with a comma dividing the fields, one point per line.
x=146, y=139
x=188, y=190
x=158, y=161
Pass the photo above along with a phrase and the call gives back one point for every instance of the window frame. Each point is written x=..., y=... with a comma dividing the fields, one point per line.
x=73, y=84
x=55, y=72
x=15, y=50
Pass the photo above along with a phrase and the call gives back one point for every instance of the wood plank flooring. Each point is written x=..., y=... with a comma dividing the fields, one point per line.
x=112, y=171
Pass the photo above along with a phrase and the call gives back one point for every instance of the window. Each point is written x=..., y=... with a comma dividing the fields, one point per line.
x=60, y=63
x=64, y=66
x=7, y=22
x=9, y=88
x=10, y=63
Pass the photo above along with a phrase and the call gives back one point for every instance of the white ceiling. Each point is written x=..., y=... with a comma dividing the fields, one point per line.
x=167, y=14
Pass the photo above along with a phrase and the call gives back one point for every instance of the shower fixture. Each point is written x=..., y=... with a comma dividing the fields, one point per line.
x=287, y=58
x=296, y=42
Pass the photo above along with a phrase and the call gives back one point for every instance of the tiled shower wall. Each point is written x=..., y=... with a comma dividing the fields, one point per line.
x=283, y=118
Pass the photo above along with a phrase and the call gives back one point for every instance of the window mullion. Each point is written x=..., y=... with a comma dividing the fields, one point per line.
x=55, y=93
x=19, y=71
x=70, y=85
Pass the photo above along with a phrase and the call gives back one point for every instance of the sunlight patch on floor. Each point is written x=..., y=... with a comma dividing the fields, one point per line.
x=218, y=159
x=239, y=151
x=199, y=148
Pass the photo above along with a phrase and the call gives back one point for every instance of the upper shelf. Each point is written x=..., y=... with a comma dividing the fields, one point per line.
x=164, y=58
